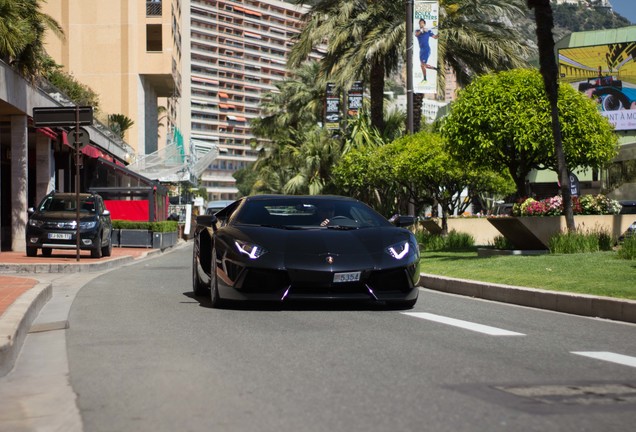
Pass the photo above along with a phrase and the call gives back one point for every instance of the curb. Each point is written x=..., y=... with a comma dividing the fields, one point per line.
x=16, y=322
x=72, y=267
x=576, y=304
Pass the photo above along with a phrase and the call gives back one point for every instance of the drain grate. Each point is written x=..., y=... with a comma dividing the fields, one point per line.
x=598, y=394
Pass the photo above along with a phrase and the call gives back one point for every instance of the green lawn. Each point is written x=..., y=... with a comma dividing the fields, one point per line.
x=599, y=273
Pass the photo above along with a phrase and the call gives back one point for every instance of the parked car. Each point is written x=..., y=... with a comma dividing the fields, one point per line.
x=628, y=207
x=284, y=248
x=53, y=225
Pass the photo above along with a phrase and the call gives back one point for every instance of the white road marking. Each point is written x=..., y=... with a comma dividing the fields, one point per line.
x=493, y=331
x=608, y=356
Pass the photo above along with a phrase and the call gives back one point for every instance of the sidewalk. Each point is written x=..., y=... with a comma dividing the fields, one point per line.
x=22, y=295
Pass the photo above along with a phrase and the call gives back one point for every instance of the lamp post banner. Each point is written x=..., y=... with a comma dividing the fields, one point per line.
x=425, y=23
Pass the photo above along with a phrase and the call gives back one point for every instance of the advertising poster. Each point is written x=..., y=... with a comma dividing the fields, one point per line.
x=607, y=74
x=354, y=101
x=425, y=22
x=332, y=110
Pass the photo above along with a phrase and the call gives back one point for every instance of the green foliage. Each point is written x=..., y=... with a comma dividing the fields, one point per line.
x=452, y=241
x=22, y=30
x=581, y=242
x=77, y=92
x=163, y=226
x=501, y=242
x=576, y=18
x=503, y=120
x=627, y=249
x=119, y=124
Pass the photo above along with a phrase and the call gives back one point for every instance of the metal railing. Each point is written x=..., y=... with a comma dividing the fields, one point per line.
x=153, y=8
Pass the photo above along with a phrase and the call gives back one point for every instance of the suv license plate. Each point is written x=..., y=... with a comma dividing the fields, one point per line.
x=346, y=277
x=60, y=236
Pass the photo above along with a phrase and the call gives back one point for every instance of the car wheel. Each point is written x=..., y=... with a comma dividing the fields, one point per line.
x=47, y=252
x=198, y=288
x=31, y=251
x=96, y=252
x=108, y=249
x=215, y=301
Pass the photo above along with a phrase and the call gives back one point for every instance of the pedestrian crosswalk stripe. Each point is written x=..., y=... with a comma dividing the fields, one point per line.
x=480, y=328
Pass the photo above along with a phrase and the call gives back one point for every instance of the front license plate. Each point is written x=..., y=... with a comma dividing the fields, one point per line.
x=60, y=236
x=346, y=277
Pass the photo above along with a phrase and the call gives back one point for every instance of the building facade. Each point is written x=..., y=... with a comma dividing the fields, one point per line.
x=238, y=51
x=129, y=53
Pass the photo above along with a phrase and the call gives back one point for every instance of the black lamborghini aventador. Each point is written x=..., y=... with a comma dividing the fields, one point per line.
x=285, y=248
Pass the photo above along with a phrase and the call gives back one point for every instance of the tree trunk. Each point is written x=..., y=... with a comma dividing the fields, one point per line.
x=549, y=71
x=376, y=87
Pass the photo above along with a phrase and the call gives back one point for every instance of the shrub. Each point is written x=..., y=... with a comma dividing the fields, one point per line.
x=452, y=241
x=501, y=242
x=627, y=250
x=581, y=241
x=163, y=226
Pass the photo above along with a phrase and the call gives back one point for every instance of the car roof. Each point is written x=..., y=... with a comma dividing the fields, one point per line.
x=299, y=197
x=71, y=195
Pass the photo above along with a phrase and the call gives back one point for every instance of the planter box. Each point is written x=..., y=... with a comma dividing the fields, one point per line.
x=135, y=238
x=479, y=228
x=114, y=236
x=163, y=240
x=534, y=233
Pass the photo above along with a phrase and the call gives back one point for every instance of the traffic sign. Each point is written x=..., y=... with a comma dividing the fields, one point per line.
x=62, y=116
x=83, y=137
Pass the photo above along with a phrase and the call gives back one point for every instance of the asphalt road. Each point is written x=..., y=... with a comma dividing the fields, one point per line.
x=144, y=355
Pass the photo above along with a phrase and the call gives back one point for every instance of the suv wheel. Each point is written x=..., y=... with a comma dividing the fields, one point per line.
x=96, y=252
x=31, y=251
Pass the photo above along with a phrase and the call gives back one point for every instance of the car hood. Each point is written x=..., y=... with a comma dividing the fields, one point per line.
x=63, y=216
x=349, y=248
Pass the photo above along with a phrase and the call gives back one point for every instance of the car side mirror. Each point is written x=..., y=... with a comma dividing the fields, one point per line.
x=106, y=213
x=206, y=220
x=30, y=210
x=403, y=221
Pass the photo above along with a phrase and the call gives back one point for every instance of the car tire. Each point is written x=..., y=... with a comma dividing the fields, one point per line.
x=198, y=287
x=96, y=252
x=108, y=249
x=47, y=252
x=31, y=251
x=215, y=300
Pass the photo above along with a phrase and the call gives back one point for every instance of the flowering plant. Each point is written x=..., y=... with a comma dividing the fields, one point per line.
x=553, y=206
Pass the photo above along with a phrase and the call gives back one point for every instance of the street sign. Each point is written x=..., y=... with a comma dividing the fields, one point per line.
x=83, y=137
x=62, y=116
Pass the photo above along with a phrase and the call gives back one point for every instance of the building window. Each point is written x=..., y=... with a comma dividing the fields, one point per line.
x=153, y=8
x=153, y=38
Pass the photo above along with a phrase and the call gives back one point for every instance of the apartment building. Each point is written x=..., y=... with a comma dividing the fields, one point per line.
x=238, y=51
x=128, y=52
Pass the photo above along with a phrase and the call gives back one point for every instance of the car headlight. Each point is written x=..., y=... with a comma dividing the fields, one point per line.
x=251, y=250
x=399, y=250
x=36, y=223
x=88, y=225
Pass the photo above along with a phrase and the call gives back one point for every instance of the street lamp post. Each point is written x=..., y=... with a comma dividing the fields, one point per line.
x=409, y=66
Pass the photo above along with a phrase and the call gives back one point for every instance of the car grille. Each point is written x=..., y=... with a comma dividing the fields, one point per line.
x=60, y=225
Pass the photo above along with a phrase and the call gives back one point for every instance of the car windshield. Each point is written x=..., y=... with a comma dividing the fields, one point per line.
x=57, y=203
x=309, y=213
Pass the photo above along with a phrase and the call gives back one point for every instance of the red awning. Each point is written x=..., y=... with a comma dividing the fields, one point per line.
x=94, y=152
x=224, y=95
x=48, y=132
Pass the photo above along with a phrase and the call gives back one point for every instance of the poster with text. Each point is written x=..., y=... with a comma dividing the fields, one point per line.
x=607, y=74
x=425, y=27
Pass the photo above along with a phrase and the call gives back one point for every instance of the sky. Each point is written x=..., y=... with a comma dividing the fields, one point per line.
x=626, y=8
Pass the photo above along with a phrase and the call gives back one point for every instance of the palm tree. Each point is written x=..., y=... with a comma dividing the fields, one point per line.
x=22, y=30
x=119, y=124
x=366, y=38
x=549, y=71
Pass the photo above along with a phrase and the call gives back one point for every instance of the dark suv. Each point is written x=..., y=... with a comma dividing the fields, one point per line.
x=53, y=225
